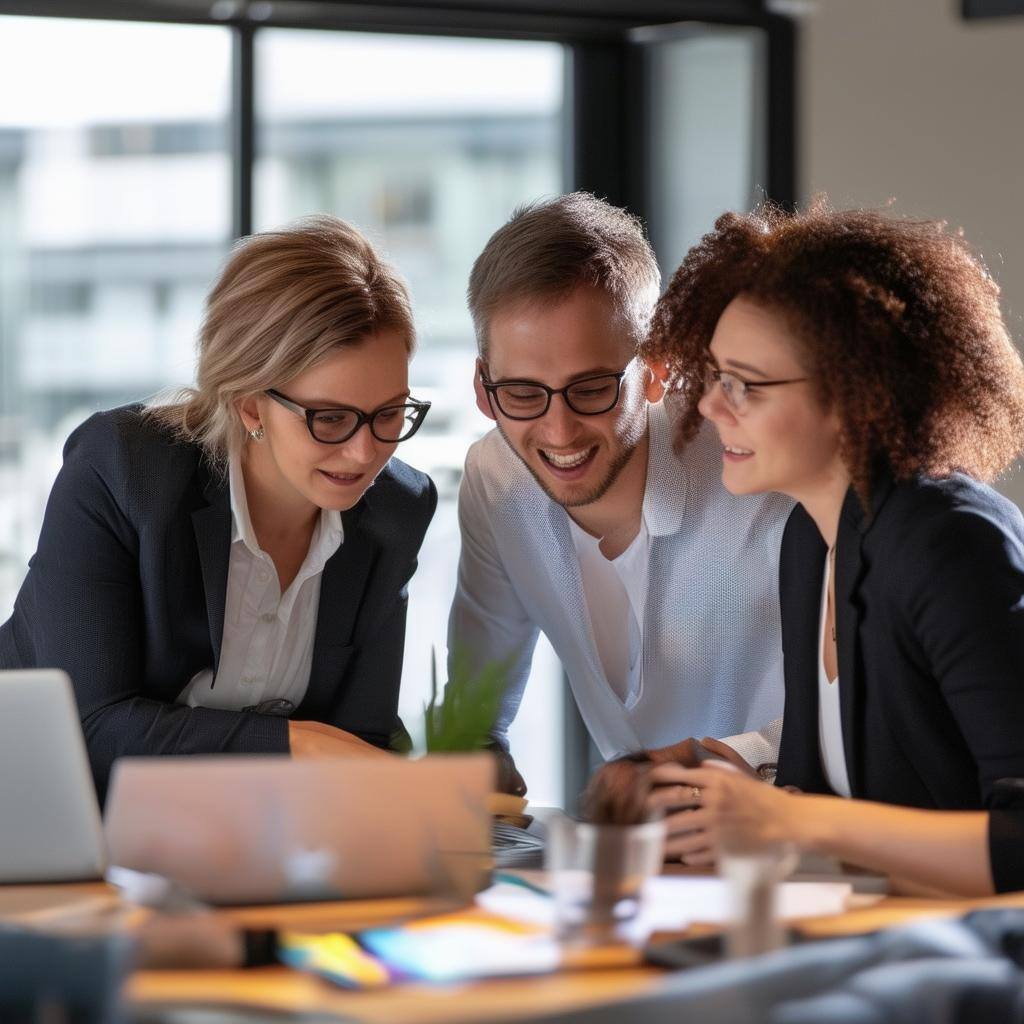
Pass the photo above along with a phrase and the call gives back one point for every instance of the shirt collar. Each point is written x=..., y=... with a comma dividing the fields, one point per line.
x=665, y=490
x=327, y=537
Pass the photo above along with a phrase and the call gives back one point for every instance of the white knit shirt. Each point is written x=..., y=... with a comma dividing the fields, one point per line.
x=712, y=651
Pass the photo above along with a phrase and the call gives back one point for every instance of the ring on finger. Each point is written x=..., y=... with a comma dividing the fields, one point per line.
x=695, y=794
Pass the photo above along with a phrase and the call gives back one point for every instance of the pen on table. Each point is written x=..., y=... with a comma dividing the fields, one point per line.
x=504, y=876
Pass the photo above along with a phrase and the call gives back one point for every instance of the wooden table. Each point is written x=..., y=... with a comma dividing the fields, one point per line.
x=496, y=1000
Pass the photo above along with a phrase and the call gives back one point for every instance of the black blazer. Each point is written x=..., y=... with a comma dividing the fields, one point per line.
x=930, y=631
x=126, y=593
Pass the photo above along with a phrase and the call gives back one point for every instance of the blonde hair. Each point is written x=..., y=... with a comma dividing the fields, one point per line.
x=284, y=301
x=548, y=249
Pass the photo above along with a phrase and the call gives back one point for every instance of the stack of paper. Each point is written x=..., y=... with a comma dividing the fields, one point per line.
x=673, y=903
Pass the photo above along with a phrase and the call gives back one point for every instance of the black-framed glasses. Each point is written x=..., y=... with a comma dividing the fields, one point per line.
x=529, y=399
x=388, y=424
x=737, y=390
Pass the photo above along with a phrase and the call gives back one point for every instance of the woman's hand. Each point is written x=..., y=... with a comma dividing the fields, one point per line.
x=618, y=789
x=717, y=805
x=315, y=739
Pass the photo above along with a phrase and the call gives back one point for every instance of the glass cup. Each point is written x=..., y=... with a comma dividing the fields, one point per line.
x=752, y=876
x=597, y=875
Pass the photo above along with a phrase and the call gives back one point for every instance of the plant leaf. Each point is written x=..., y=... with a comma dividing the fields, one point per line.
x=463, y=718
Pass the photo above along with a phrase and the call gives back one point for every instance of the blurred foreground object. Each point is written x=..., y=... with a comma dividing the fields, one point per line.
x=597, y=874
x=64, y=979
x=276, y=829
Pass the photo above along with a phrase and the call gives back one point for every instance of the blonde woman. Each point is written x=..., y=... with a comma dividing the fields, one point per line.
x=227, y=574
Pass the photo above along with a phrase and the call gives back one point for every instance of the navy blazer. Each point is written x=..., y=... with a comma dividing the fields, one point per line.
x=126, y=594
x=930, y=644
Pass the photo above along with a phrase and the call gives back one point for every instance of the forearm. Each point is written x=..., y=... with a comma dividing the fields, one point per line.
x=143, y=727
x=943, y=850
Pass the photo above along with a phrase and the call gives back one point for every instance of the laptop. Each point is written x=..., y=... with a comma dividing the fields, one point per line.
x=50, y=827
x=257, y=829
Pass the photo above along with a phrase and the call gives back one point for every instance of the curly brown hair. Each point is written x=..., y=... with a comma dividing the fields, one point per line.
x=898, y=322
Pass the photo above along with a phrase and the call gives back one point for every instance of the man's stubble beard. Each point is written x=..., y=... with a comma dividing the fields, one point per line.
x=601, y=489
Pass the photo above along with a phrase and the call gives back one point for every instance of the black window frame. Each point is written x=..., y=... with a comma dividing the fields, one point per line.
x=605, y=72
x=605, y=88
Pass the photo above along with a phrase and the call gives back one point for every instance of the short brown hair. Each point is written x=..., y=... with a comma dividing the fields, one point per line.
x=898, y=321
x=548, y=249
x=284, y=301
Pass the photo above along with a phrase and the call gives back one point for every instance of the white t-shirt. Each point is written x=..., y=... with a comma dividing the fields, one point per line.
x=266, y=651
x=615, y=592
x=830, y=721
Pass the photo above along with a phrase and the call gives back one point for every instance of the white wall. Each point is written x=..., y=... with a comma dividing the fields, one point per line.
x=903, y=99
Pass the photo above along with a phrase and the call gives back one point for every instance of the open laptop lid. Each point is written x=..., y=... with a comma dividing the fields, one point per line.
x=244, y=829
x=50, y=827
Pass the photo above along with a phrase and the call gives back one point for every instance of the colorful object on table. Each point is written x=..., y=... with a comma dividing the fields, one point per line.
x=461, y=946
x=450, y=947
x=334, y=956
x=524, y=883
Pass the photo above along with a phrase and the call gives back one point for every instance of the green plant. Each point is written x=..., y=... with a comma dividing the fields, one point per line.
x=463, y=718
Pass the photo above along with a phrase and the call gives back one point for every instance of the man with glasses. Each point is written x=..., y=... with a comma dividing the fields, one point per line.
x=656, y=587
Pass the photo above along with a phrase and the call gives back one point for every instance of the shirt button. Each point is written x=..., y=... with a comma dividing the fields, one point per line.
x=268, y=616
x=248, y=680
x=263, y=577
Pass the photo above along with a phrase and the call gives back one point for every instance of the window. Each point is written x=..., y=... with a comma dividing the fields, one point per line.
x=707, y=114
x=112, y=191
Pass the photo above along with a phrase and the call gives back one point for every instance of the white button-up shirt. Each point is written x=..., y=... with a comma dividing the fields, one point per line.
x=267, y=647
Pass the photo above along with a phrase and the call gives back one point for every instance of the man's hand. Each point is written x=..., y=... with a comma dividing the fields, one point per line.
x=315, y=739
x=508, y=778
x=617, y=792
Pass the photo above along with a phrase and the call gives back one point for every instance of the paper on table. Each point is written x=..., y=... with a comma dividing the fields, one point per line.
x=672, y=903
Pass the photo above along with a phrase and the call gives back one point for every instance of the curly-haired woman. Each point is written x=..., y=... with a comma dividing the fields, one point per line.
x=859, y=363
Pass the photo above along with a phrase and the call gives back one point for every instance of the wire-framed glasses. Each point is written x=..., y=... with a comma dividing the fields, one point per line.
x=529, y=399
x=737, y=390
x=388, y=424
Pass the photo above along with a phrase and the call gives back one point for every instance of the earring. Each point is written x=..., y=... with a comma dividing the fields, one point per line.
x=257, y=433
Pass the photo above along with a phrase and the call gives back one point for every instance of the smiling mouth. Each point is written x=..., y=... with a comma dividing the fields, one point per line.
x=341, y=478
x=733, y=450
x=568, y=460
